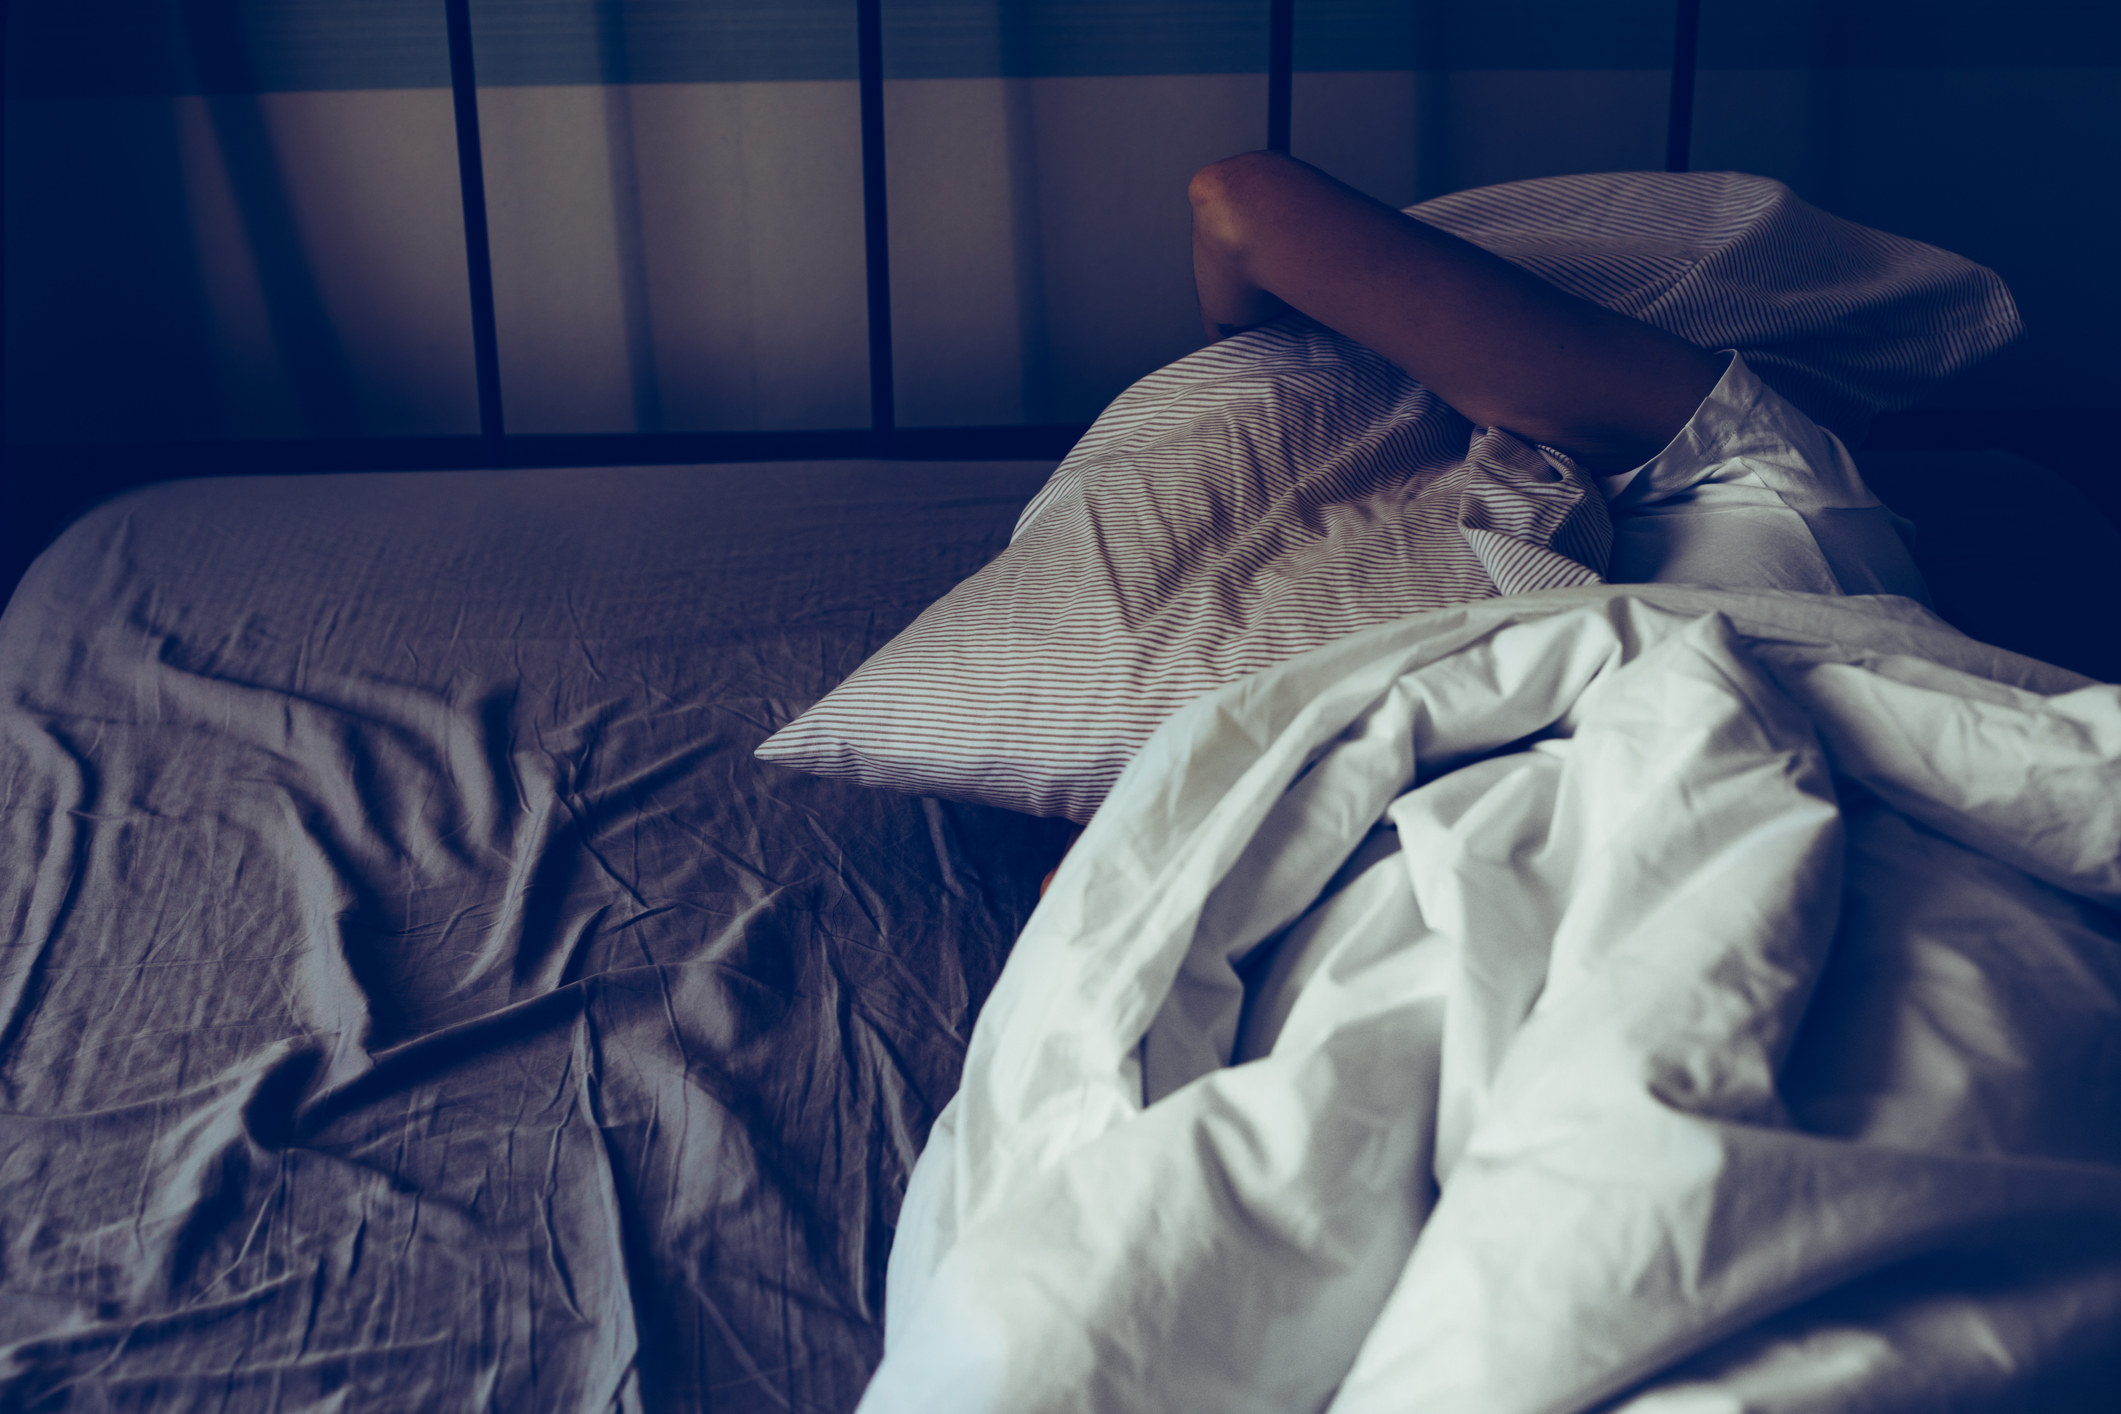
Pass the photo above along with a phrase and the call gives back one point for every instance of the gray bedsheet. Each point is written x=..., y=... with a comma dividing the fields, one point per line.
x=414, y=994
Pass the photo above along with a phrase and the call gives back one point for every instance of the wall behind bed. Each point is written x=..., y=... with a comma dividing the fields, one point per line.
x=239, y=219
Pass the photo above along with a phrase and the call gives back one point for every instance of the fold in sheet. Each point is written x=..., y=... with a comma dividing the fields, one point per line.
x=413, y=993
x=1633, y=993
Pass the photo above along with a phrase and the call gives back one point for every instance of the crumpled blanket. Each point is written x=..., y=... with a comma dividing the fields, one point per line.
x=1655, y=999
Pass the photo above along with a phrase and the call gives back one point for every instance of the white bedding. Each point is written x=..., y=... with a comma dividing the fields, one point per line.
x=1678, y=1001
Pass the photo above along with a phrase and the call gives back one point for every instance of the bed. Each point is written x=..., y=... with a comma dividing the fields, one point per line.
x=418, y=993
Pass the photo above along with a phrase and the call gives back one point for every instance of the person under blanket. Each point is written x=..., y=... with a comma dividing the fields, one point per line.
x=1712, y=477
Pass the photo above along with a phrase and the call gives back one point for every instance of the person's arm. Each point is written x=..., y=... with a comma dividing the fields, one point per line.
x=1493, y=340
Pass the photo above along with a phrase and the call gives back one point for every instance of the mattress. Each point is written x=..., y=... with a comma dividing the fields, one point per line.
x=415, y=995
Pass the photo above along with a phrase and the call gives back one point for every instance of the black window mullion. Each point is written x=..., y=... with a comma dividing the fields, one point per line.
x=1281, y=66
x=876, y=230
x=1679, y=125
x=478, y=253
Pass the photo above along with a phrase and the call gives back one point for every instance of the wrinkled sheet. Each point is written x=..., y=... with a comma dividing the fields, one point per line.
x=1627, y=998
x=414, y=995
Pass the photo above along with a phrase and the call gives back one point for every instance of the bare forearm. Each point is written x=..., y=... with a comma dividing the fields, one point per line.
x=1229, y=300
x=1502, y=346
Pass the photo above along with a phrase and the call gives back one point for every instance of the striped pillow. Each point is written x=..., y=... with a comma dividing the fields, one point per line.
x=1841, y=320
x=1285, y=487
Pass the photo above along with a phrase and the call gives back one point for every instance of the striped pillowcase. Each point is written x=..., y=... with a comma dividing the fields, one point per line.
x=1841, y=320
x=1285, y=487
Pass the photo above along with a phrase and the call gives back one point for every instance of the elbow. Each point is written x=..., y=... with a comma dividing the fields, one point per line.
x=1224, y=195
x=1217, y=185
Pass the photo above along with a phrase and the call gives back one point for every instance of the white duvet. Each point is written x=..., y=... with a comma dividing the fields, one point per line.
x=1640, y=998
